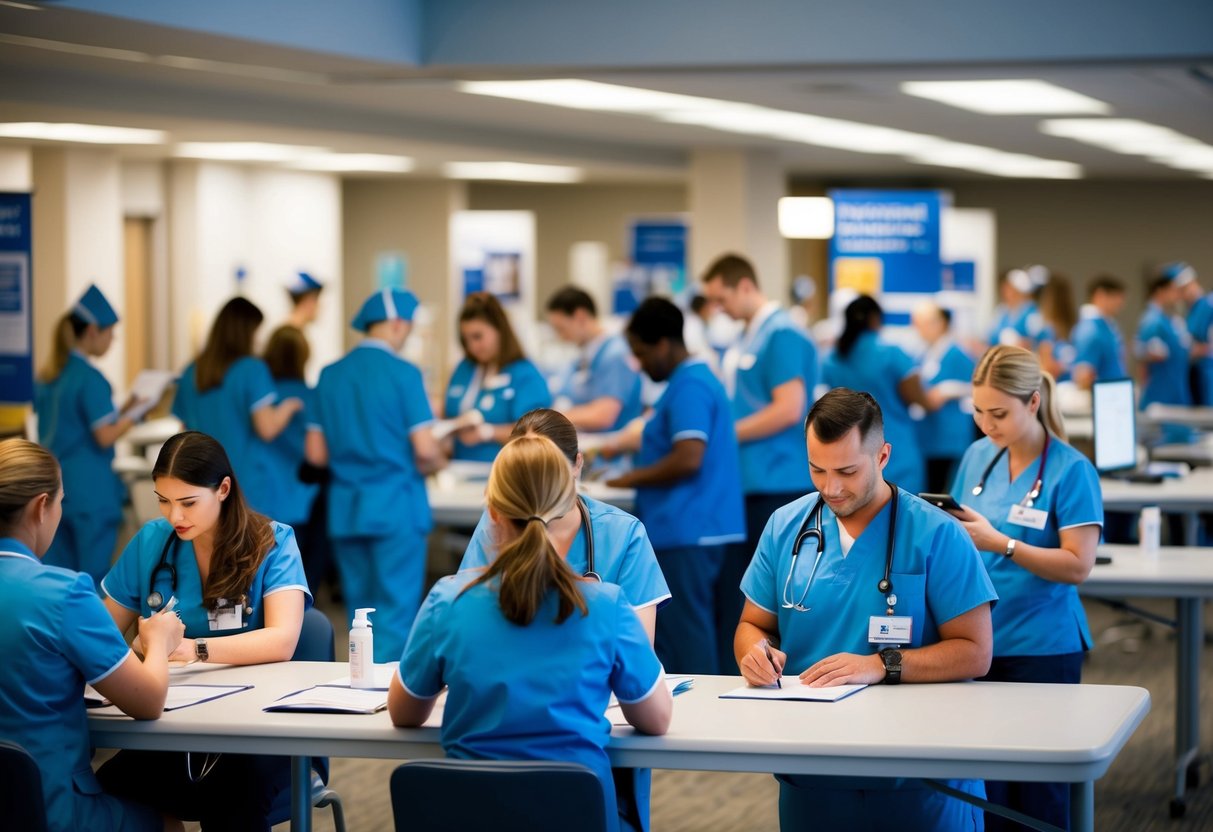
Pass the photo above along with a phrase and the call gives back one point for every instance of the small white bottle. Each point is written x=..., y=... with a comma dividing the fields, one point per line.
x=362, y=650
x=1151, y=532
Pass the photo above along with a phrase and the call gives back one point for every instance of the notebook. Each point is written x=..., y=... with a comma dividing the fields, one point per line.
x=794, y=690
x=332, y=699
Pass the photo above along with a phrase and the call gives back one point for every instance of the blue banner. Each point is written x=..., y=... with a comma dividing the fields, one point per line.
x=658, y=252
x=16, y=300
x=886, y=241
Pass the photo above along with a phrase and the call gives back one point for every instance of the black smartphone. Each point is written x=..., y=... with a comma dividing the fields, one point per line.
x=943, y=501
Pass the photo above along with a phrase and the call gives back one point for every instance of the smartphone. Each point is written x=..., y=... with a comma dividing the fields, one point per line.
x=943, y=501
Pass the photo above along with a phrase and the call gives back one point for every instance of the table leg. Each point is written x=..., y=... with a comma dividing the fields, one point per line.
x=1191, y=528
x=1189, y=640
x=1082, y=806
x=301, y=794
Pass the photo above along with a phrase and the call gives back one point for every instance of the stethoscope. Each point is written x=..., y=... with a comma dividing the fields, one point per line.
x=1031, y=496
x=588, y=531
x=811, y=529
x=155, y=600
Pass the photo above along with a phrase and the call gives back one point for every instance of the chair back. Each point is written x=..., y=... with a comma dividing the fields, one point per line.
x=21, y=805
x=315, y=638
x=505, y=796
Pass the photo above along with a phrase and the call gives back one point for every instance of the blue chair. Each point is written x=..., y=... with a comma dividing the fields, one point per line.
x=505, y=796
x=21, y=804
x=316, y=644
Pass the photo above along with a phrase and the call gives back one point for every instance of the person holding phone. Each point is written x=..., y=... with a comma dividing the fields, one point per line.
x=1033, y=507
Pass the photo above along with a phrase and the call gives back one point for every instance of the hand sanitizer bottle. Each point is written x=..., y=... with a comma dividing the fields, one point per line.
x=362, y=650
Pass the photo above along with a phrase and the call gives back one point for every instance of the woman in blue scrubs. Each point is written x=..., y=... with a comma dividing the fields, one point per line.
x=241, y=593
x=286, y=356
x=78, y=423
x=1059, y=316
x=862, y=361
x=1017, y=321
x=57, y=637
x=1034, y=509
x=228, y=393
x=946, y=433
x=528, y=651
x=494, y=384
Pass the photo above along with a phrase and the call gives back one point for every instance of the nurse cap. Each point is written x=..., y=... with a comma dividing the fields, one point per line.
x=93, y=308
x=302, y=282
x=1028, y=279
x=1179, y=273
x=385, y=305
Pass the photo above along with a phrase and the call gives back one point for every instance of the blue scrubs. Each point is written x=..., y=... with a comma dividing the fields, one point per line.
x=691, y=520
x=877, y=368
x=58, y=636
x=286, y=455
x=1064, y=351
x=537, y=692
x=948, y=432
x=368, y=404
x=605, y=370
x=1014, y=326
x=936, y=576
x=226, y=413
x=502, y=397
x=1099, y=345
x=69, y=409
x=623, y=554
x=1200, y=327
x=1167, y=380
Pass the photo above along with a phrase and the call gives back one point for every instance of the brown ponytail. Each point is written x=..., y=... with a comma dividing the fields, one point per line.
x=67, y=331
x=531, y=485
x=1017, y=372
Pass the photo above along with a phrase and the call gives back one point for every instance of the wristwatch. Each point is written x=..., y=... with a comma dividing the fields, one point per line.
x=200, y=650
x=892, y=666
x=1010, y=550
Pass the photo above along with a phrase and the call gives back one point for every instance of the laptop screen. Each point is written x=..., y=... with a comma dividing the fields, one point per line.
x=1115, y=424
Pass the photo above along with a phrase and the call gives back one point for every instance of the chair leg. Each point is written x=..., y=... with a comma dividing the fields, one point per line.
x=331, y=798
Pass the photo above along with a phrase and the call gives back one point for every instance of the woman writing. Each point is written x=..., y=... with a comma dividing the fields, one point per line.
x=57, y=636
x=1033, y=506
x=528, y=651
x=241, y=593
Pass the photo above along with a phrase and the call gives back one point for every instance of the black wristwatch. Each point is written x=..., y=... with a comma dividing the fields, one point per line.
x=203, y=654
x=892, y=666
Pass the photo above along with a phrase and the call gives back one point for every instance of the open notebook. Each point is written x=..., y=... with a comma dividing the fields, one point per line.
x=795, y=691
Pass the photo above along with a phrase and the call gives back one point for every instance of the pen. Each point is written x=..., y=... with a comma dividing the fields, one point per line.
x=766, y=648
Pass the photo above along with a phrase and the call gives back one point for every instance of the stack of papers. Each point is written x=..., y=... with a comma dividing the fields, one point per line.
x=793, y=689
x=331, y=699
x=179, y=696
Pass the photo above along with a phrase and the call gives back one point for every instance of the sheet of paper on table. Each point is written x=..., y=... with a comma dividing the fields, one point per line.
x=795, y=691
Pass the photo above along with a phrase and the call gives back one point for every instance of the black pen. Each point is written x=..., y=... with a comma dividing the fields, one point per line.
x=766, y=647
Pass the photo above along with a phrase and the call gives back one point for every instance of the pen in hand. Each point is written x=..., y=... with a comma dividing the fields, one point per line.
x=766, y=648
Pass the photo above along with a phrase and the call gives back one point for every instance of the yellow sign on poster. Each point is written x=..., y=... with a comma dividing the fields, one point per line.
x=865, y=275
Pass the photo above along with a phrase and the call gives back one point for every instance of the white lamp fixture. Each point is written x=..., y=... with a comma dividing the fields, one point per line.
x=588, y=95
x=1132, y=137
x=512, y=172
x=1007, y=97
x=80, y=133
x=246, y=151
x=355, y=163
x=806, y=217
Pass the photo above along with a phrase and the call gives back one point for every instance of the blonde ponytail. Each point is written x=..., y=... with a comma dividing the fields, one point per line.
x=530, y=484
x=27, y=471
x=1017, y=372
x=67, y=331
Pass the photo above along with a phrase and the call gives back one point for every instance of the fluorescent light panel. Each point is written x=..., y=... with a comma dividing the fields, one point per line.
x=246, y=151
x=753, y=120
x=82, y=133
x=355, y=163
x=806, y=217
x=512, y=171
x=1006, y=97
x=1132, y=137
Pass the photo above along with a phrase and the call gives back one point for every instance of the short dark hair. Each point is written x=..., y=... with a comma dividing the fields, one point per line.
x=568, y=300
x=1105, y=283
x=1157, y=283
x=731, y=269
x=698, y=303
x=834, y=414
x=654, y=320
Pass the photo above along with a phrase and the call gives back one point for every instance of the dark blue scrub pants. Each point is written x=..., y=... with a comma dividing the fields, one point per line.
x=388, y=575
x=84, y=544
x=688, y=626
x=1049, y=802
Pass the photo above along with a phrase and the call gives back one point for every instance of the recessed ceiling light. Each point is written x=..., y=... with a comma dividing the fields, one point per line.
x=588, y=95
x=995, y=162
x=246, y=151
x=83, y=133
x=1006, y=97
x=512, y=171
x=1136, y=138
x=355, y=163
x=806, y=217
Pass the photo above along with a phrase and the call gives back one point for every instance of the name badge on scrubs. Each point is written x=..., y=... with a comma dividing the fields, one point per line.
x=891, y=629
x=748, y=361
x=487, y=402
x=226, y=616
x=1032, y=518
x=496, y=382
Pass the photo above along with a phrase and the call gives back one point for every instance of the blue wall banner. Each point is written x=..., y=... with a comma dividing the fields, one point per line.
x=16, y=300
x=658, y=254
x=886, y=241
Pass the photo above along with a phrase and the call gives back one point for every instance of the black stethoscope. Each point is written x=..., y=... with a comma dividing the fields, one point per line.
x=1031, y=496
x=811, y=529
x=155, y=600
x=588, y=531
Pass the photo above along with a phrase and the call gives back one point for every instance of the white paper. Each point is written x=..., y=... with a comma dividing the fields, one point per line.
x=381, y=673
x=676, y=684
x=148, y=388
x=182, y=696
x=325, y=698
x=443, y=428
x=794, y=690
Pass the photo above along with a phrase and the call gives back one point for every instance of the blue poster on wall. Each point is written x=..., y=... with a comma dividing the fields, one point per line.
x=658, y=253
x=886, y=241
x=16, y=300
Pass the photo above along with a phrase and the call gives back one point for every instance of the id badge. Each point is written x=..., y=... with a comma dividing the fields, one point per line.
x=487, y=401
x=226, y=616
x=1032, y=518
x=748, y=361
x=891, y=629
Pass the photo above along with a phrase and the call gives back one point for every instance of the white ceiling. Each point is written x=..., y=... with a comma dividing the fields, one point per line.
x=58, y=65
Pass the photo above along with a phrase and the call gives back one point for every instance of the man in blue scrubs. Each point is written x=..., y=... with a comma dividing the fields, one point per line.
x=824, y=617
x=1200, y=328
x=1162, y=347
x=769, y=375
x=688, y=491
x=372, y=429
x=601, y=390
x=1098, y=344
